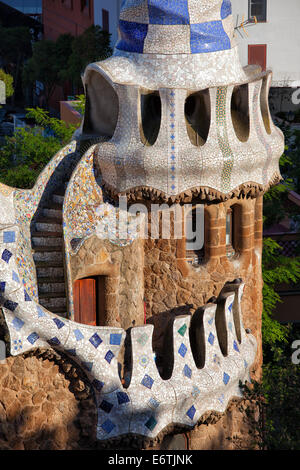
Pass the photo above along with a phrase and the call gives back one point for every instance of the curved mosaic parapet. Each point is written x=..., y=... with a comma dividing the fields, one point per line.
x=17, y=210
x=148, y=404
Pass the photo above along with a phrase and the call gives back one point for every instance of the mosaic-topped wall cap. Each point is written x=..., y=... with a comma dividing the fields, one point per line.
x=176, y=43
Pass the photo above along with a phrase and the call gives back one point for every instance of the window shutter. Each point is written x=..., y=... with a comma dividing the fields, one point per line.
x=257, y=55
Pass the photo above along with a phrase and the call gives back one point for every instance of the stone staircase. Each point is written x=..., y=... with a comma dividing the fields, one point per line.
x=47, y=244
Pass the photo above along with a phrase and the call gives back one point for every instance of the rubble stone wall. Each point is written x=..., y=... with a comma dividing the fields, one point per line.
x=174, y=287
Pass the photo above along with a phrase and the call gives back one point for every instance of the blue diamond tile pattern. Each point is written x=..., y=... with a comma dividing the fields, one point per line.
x=122, y=398
x=98, y=385
x=58, y=323
x=151, y=423
x=78, y=335
x=2, y=287
x=191, y=412
x=109, y=356
x=10, y=305
x=115, y=339
x=33, y=337
x=54, y=341
x=106, y=406
x=95, y=340
x=187, y=372
x=211, y=338
x=40, y=312
x=182, y=350
x=9, y=237
x=153, y=403
x=15, y=277
x=235, y=346
x=147, y=381
x=108, y=426
x=26, y=297
x=226, y=378
x=6, y=255
x=17, y=323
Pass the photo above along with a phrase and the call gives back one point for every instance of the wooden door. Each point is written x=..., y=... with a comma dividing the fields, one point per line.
x=85, y=305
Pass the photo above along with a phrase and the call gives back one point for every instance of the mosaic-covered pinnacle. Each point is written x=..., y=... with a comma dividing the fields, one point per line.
x=149, y=26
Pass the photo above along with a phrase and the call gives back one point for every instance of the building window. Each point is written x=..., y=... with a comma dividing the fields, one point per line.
x=67, y=3
x=105, y=20
x=85, y=4
x=195, y=254
x=257, y=55
x=258, y=8
x=230, y=233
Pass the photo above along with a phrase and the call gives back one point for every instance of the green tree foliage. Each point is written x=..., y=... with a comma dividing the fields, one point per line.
x=27, y=152
x=15, y=48
x=54, y=62
x=91, y=46
x=277, y=269
x=8, y=80
x=46, y=63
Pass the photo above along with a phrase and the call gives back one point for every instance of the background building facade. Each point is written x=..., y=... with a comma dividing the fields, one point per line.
x=273, y=43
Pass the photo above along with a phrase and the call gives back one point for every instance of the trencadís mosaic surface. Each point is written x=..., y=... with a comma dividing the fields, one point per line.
x=191, y=121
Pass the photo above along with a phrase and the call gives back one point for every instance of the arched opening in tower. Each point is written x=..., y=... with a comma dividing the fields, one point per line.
x=198, y=115
x=240, y=112
x=150, y=108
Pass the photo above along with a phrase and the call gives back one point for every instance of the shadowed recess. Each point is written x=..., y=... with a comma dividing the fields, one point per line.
x=198, y=116
x=240, y=112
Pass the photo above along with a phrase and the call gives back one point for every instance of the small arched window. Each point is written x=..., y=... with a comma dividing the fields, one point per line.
x=230, y=237
x=194, y=231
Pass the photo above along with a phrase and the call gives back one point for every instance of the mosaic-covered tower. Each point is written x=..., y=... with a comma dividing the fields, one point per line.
x=176, y=130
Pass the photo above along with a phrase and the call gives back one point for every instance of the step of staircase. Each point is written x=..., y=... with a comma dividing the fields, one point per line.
x=49, y=269
x=47, y=239
x=52, y=284
x=53, y=211
x=59, y=311
x=58, y=198
x=52, y=300
x=48, y=253
x=48, y=224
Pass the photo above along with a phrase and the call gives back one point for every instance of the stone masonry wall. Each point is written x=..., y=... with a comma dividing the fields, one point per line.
x=45, y=403
x=173, y=287
x=124, y=268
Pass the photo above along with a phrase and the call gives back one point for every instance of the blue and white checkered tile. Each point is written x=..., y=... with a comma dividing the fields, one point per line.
x=149, y=26
x=153, y=399
x=97, y=349
x=114, y=414
x=190, y=384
